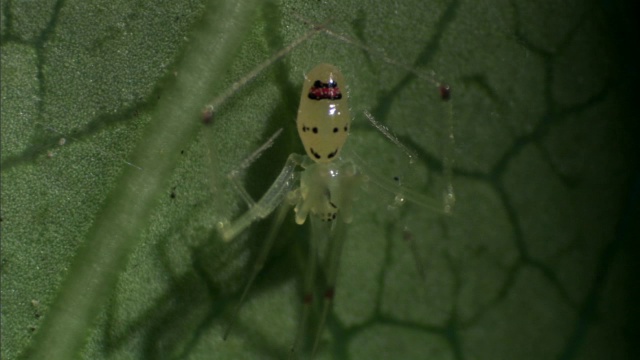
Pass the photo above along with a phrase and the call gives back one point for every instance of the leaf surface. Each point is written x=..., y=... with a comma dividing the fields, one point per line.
x=536, y=248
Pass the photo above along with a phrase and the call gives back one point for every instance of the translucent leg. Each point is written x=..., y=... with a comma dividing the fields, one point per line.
x=274, y=196
x=233, y=89
x=377, y=52
x=259, y=264
x=402, y=193
x=233, y=176
x=444, y=205
x=309, y=281
x=407, y=236
x=335, y=244
x=448, y=159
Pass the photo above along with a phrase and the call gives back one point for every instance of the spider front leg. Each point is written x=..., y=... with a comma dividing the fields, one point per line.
x=284, y=183
x=259, y=263
x=275, y=196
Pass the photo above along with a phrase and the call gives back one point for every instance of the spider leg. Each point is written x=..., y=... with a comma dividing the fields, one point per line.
x=317, y=236
x=259, y=263
x=337, y=235
x=402, y=193
x=274, y=196
x=444, y=205
x=235, y=173
x=233, y=89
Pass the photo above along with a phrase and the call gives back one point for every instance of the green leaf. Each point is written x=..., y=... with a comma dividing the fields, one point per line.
x=114, y=182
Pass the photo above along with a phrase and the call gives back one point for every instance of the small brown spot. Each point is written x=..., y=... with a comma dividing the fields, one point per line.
x=329, y=293
x=335, y=129
x=315, y=130
x=445, y=92
x=207, y=116
x=307, y=299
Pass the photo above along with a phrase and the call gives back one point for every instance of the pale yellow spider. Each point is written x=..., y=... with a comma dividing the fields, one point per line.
x=319, y=186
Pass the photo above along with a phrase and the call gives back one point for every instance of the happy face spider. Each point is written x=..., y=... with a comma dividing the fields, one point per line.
x=320, y=186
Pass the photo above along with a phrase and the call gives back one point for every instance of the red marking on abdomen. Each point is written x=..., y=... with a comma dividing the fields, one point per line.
x=321, y=91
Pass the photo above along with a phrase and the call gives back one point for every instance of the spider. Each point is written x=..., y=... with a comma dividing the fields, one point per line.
x=319, y=186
